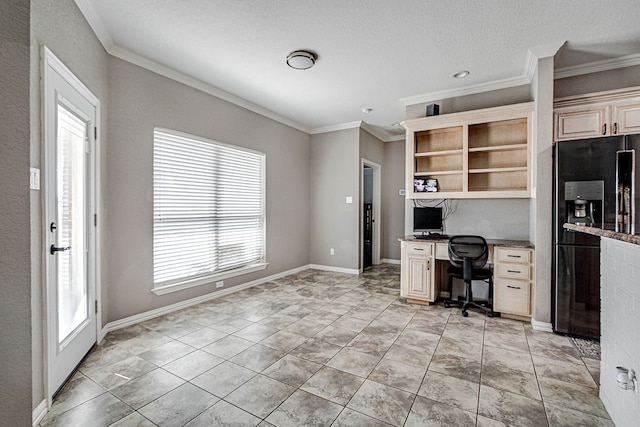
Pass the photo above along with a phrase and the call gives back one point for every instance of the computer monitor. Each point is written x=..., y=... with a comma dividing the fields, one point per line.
x=427, y=219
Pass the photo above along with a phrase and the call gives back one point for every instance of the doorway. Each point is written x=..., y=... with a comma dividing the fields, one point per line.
x=370, y=214
x=69, y=197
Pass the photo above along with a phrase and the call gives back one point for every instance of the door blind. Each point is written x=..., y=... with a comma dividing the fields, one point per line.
x=208, y=207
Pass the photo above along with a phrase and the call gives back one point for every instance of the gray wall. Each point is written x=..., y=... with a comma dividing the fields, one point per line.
x=335, y=174
x=59, y=25
x=597, y=82
x=392, y=201
x=491, y=218
x=141, y=100
x=15, y=265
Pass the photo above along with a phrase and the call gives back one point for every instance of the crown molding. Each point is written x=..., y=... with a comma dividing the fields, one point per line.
x=531, y=62
x=112, y=49
x=380, y=133
x=96, y=24
x=468, y=90
x=536, y=53
x=598, y=66
x=333, y=128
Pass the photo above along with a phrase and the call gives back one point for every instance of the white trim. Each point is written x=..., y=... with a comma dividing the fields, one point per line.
x=50, y=63
x=597, y=66
x=39, y=412
x=147, y=315
x=541, y=326
x=174, y=287
x=390, y=261
x=333, y=128
x=468, y=90
x=335, y=269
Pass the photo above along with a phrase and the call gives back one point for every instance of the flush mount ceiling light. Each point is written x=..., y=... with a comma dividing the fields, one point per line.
x=301, y=59
x=461, y=74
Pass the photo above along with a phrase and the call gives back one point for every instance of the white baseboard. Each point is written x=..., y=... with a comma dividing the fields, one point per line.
x=391, y=261
x=39, y=412
x=334, y=269
x=148, y=315
x=541, y=326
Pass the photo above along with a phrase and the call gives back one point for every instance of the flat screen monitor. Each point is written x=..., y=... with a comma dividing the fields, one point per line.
x=427, y=219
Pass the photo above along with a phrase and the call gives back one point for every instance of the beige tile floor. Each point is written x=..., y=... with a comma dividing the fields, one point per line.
x=321, y=349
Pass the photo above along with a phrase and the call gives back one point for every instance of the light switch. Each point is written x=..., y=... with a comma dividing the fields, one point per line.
x=34, y=178
x=349, y=199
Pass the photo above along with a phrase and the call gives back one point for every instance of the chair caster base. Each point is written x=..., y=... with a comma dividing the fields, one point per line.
x=465, y=314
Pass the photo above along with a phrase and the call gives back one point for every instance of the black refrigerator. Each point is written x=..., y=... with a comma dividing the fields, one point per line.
x=587, y=174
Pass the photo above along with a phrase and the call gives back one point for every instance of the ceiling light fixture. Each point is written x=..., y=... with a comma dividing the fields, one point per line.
x=367, y=110
x=461, y=74
x=301, y=59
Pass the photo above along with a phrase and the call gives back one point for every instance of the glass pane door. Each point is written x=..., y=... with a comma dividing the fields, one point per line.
x=70, y=250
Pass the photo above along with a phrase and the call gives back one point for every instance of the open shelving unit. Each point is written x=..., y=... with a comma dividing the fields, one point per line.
x=474, y=154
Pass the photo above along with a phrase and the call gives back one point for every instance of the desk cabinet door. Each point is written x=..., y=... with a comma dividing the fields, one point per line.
x=512, y=296
x=419, y=278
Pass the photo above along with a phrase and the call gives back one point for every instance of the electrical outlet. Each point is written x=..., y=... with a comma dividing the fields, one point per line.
x=332, y=252
x=219, y=284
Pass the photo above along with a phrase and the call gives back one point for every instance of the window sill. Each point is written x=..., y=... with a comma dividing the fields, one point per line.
x=207, y=280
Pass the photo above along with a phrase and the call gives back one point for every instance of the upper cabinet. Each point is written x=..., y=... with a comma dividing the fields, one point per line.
x=599, y=114
x=474, y=154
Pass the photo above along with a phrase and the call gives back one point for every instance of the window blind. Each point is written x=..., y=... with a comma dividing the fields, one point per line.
x=208, y=207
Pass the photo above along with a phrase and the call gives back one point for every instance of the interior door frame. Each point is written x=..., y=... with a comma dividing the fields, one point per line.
x=50, y=64
x=376, y=211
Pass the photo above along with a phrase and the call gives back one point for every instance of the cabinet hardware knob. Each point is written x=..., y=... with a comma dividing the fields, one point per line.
x=514, y=256
x=615, y=128
x=514, y=271
x=513, y=287
x=604, y=129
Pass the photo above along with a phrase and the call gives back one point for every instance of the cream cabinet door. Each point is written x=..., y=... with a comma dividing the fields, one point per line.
x=626, y=118
x=419, y=279
x=581, y=122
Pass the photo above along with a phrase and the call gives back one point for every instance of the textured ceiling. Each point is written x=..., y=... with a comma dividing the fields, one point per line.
x=371, y=53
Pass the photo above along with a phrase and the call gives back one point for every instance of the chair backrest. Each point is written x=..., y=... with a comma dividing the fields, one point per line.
x=474, y=248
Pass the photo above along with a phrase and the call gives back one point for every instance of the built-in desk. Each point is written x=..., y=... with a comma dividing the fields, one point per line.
x=424, y=264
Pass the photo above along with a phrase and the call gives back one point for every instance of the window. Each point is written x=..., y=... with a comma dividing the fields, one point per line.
x=208, y=211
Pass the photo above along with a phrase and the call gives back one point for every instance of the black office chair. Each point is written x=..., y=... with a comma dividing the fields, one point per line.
x=468, y=257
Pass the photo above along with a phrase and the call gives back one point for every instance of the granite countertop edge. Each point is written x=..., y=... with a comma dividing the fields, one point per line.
x=494, y=242
x=594, y=231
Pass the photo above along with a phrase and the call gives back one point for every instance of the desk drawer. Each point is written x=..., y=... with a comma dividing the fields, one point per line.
x=512, y=296
x=513, y=271
x=419, y=249
x=442, y=251
x=519, y=256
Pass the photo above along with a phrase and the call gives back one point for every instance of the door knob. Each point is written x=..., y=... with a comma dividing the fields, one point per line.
x=55, y=249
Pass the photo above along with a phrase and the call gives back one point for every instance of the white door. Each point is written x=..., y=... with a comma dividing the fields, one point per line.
x=69, y=200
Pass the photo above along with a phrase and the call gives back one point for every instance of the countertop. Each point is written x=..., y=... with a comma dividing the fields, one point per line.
x=492, y=242
x=624, y=237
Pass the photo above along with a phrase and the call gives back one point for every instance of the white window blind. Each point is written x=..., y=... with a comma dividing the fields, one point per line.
x=208, y=208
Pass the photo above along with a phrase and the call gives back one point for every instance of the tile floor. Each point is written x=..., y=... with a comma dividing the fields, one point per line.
x=320, y=348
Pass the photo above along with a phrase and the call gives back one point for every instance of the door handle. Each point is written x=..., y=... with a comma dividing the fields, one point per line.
x=55, y=249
